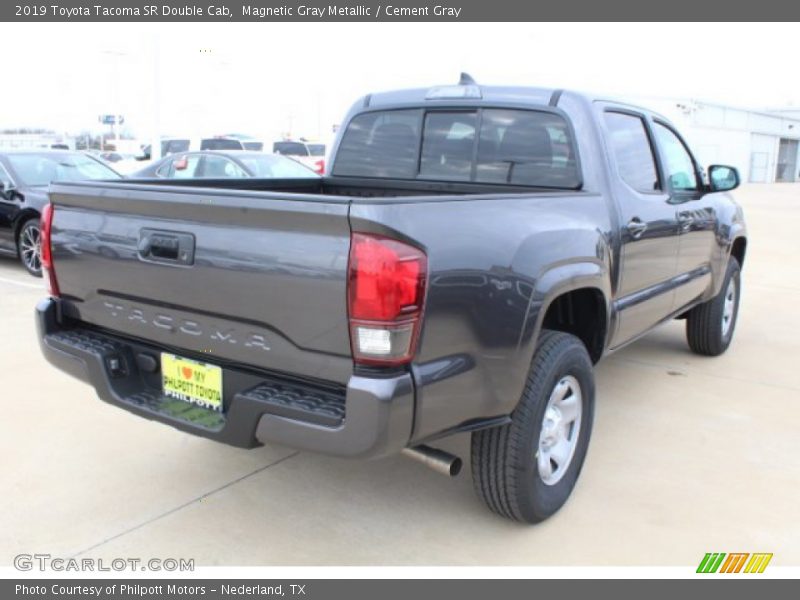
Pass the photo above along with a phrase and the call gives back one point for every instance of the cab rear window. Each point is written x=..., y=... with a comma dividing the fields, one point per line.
x=491, y=145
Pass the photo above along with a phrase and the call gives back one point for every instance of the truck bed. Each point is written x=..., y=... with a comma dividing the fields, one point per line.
x=265, y=286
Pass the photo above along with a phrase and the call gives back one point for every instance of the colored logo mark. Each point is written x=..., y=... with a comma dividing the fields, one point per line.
x=734, y=562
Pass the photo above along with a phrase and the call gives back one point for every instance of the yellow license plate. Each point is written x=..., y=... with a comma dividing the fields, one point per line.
x=192, y=381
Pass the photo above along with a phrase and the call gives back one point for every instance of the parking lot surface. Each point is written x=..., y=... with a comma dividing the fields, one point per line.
x=689, y=455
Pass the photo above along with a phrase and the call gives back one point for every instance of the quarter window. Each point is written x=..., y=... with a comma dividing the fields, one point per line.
x=632, y=151
x=219, y=167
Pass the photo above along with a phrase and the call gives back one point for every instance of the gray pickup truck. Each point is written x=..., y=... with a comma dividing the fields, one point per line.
x=469, y=255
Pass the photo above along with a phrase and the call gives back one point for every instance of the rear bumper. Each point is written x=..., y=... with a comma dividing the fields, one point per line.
x=368, y=418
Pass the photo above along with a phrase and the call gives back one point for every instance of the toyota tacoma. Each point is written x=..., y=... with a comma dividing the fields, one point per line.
x=470, y=253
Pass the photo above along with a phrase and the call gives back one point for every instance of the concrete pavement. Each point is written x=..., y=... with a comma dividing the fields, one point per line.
x=689, y=455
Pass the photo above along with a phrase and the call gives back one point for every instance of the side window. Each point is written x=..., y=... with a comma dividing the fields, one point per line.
x=219, y=167
x=680, y=166
x=447, y=145
x=632, y=150
x=180, y=167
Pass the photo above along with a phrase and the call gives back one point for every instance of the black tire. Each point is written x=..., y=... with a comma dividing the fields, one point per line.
x=28, y=256
x=505, y=460
x=709, y=328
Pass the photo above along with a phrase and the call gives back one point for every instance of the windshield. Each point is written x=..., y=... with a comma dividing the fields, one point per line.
x=42, y=169
x=254, y=146
x=268, y=165
x=316, y=149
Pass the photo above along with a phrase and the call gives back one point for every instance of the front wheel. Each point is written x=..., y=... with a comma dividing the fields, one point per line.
x=29, y=247
x=526, y=470
x=709, y=326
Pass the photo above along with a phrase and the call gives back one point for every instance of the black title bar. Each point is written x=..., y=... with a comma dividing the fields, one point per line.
x=398, y=11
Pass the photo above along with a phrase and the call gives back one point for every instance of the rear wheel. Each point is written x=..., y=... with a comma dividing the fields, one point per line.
x=29, y=247
x=709, y=326
x=526, y=470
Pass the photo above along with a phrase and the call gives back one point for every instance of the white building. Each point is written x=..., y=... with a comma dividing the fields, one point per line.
x=36, y=141
x=763, y=145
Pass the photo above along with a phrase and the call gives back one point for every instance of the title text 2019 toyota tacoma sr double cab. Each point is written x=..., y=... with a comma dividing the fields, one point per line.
x=471, y=253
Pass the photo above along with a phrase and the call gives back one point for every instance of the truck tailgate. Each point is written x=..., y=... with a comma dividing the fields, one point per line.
x=258, y=278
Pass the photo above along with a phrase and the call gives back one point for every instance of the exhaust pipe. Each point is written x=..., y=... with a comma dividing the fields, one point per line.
x=438, y=460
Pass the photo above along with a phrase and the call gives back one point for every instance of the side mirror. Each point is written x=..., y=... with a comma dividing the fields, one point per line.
x=722, y=178
x=6, y=187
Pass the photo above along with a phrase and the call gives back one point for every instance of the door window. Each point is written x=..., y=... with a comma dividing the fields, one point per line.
x=219, y=167
x=632, y=151
x=680, y=166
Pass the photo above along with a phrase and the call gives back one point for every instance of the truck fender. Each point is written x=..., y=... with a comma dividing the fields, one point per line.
x=557, y=281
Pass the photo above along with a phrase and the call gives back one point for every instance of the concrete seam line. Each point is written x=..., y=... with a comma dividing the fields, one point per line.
x=184, y=505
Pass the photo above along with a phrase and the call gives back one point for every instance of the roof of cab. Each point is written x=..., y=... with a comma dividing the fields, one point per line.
x=489, y=94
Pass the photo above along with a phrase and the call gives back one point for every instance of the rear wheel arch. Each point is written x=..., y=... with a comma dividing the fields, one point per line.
x=582, y=312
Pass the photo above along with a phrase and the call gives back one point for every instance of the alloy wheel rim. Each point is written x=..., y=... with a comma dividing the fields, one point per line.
x=561, y=427
x=31, y=249
x=728, y=307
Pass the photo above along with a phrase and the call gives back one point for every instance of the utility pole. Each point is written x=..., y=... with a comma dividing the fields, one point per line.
x=115, y=99
x=155, y=126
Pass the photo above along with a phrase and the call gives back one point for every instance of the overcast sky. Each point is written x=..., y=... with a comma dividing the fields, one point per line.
x=265, y=78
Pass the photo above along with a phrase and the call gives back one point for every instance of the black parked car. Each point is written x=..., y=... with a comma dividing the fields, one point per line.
x=24, y=177
x=237, y=164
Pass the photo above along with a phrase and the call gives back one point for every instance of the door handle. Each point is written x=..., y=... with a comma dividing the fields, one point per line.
x=636, y=227
x=685, y=220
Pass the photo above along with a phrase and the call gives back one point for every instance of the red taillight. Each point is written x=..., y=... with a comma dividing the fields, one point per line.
x=319, y=166
x=48, y=270
x=386, y=294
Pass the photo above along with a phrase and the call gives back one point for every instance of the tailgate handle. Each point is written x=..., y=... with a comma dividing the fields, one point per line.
x=166, y=247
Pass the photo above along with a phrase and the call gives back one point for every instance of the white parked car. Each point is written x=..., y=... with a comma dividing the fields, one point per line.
x=311, y=154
